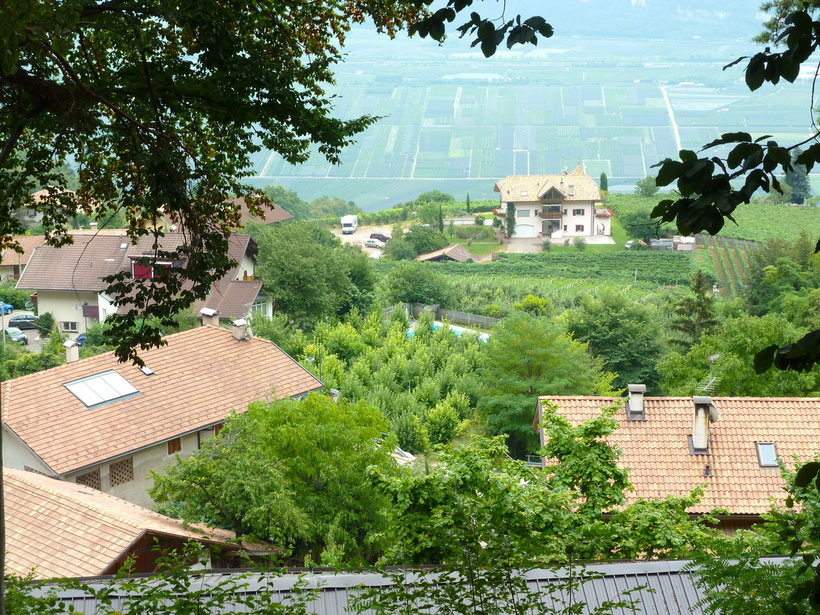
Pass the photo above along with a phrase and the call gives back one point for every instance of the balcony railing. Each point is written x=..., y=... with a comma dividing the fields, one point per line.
x=551, y=212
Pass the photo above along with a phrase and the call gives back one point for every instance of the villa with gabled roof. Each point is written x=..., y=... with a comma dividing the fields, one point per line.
x=557, y=207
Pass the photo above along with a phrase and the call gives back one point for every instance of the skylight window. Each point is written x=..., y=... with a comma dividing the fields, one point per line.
x=101, y=388
x=766, y=454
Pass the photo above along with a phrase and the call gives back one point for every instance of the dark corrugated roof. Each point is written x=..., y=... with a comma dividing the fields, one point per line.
x=667, y=588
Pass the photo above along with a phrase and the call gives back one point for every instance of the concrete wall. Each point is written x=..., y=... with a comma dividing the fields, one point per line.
x=17, y=455
x=67, y=306
x=153, y=458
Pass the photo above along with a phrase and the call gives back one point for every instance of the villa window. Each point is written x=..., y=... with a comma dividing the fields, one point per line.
x=579, y=228
x=577, y=212
x=523, y=213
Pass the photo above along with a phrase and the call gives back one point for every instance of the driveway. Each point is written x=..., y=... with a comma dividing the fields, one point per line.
x=523, y=245
x=361, y=235
x=33, y=335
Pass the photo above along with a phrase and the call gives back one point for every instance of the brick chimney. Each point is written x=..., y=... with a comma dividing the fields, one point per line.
x=209, y=317
x=240, y=329
x=72, y=351
x=634, y=403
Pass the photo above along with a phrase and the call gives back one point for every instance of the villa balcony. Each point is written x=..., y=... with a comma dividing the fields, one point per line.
x=551, y=212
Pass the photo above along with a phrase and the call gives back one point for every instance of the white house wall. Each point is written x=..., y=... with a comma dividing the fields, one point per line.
x=67, y=306
x=246, y=267
x=152, y=458
x=106, y=305
x=18, y=456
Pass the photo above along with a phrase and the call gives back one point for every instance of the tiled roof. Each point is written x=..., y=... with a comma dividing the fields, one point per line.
x=584, y=187
x=231, y=298
x=270, y=216
x=79, y=266
x=604, y=212
x=63, y=529
x=200, y=376
x=28, y=243
x=657, y=450
x=455, y=252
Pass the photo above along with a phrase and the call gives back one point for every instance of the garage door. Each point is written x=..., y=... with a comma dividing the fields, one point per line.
x=524, y=230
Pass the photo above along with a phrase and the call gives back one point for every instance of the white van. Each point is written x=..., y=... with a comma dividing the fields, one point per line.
x=349, y=224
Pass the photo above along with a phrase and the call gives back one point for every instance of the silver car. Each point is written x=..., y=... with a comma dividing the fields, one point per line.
x=15, y=335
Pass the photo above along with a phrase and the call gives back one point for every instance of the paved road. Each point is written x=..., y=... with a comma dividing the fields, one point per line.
x=522, y=245
x=33, y=335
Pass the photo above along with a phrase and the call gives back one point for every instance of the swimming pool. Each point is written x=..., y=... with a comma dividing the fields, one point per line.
x=454, y=328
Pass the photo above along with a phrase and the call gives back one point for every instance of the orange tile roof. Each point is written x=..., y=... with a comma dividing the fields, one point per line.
x=200, y=376
x=657, y=450
x=28, y=243
x=62, y=529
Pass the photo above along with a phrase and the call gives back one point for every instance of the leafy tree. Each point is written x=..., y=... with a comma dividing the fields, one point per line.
x=586, y=464
x=308, y=273
x=10, y=294
x=537, y=306
x=289, y=201
x=332, y=207
x=292, y=472
x=399, y=249
x=646, y=187
x=623, y=333
x=528, y=357
x=604, y=183
x=734, y=343
x=425, y=239
x=798, y=179
x=694, y=312
x=414, y=282
x=510, y=219
x=580, y=243
x=435, y=196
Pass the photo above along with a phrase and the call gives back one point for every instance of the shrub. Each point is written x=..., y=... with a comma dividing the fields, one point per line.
x=17, y=298
x=479, y=220
x=46, y=322
x=546, y=245
x=411, y=433
x=580, y=243
x=442, y=423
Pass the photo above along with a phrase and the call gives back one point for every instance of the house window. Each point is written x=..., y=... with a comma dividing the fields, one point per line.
x=142, y=272
x=174, y=446
x=766, y=455
x=121, y=472
x=523, y=213
x=565, y=227
x=565, y=211
x=69, y=327
x=90, y=479
x=571, y=190
x=579, y=228
x=524, y=193
x=577, y=212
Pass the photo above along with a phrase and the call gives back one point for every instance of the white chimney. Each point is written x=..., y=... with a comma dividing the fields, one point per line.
x=93, y=226
x=209, y=317
x=705, y=413
x=239, y=329
x=72, y=351
x=634, y=403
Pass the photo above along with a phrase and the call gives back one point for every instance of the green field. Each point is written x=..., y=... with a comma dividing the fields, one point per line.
x=761, y=222
x=453, y=121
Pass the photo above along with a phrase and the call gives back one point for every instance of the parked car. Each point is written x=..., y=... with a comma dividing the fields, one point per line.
x=381, y=237
x=23, y=321
x=628, y=245
x=6, y=308
x=15, y=335
x=80, y=339
x=373, y=243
